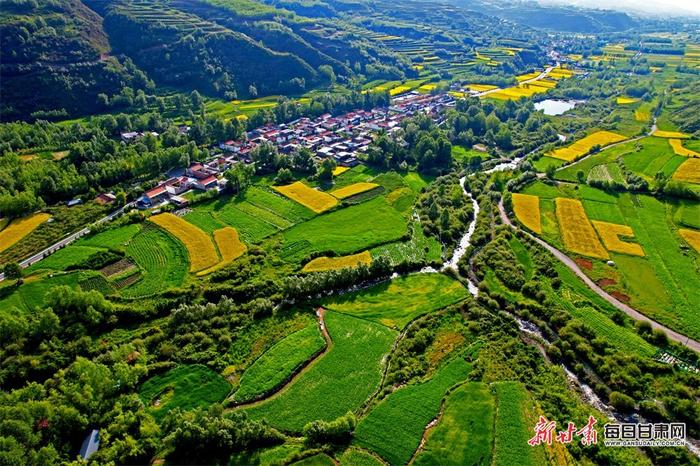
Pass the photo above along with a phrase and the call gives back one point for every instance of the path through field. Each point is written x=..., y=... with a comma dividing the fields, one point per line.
x=636, y=315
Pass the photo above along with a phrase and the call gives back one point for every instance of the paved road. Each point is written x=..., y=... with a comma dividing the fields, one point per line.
x=67, y=240
x=636, y=315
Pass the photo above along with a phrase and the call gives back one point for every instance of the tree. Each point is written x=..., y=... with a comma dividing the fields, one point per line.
x=580, y=176
x=239, y=177
x=325, y=172
x=337, y=431
x=13, y=271
x=196, y=100
x=265, y=157
x=284, y=176
x=120, y=198
x=550, y=171
x=303, y=161
x=328, y=73
x=621, y=402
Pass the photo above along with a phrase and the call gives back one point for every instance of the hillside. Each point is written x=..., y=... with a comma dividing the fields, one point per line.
x=54, y=55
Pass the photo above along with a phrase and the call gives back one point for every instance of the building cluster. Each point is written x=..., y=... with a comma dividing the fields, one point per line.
x=342, y=138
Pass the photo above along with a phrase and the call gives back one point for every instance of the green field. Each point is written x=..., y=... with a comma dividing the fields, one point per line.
x=357, y=457
x=513, y=427
x=344, y=231
x=463, y=154
x=279, y=362
x=663, y=284
x=395, y=426
x=464, y=434
x=184, y=387
x=64, y=258
x=114, y=238
x=397, y=302
x=320, y=459
x=338, y=382
x=163, y=261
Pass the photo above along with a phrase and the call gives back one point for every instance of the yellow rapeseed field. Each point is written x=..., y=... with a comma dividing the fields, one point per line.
x=230, y=247
x=351, y=190
x=481, y=87
x=525, y=77
x=678, y=148
x=19, y=228
x=582, y=146
x=321, y=264
x=670, y=134
x=339, y=170
x=527, y=209
x=622, y=100
x=576, y=231
x=688, y=171
x=610, y=234
x=199, y=245
x=692, y=237
x=316, y=200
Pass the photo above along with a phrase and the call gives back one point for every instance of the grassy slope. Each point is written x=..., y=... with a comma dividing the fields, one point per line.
x=399, y=301
x=513, y=427
x=339, y=382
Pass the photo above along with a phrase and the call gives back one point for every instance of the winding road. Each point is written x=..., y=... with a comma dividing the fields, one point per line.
x=542, y=75
x=636, y=315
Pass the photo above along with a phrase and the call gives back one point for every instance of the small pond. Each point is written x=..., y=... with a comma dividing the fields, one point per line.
x=556, y=107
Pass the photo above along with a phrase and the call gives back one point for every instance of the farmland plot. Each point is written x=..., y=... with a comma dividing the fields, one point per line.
x=395, y=426
x=678, y=149
x=338, y=382
x=199, y=246
x=420, y=248
x=583, y=146
x=19, y=228
x=689, y=171
x=344, y=231
x=610, y=233
x=513, y=427
x=279, y=362
x=692, y=237
x=464, y=434
x=397, y=302
x=162, y=259
x=321, y=264
x=184, y=387
x=353, y=189
x=316, y=200
x=527, y=210
x=576, y=231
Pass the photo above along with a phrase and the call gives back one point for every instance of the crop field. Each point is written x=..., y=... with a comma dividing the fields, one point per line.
x=622, y=100
x=662, y=284
x=670, y=134
x=527, y=210
x=230, y=247
x=353, y=189
x=316, y=200
x=358, y=457
x=322, y=264
x=162, y=259
x=577, y=233
x=339, y=170
x=678, y=148
x=184, y=387
x=216, y=215
x=513, y=428
x=692, y=237
x=688, y=214
x=397, y=302
x=278, y=363
x=394, y=427
x=464, y=434
x=610, y=233
x=199, y=245
x=19, y=228
x=277, y=204
x=338, y=382
x=64, y=258
x=113, y=238
x=688, y=171
x=420, y=248
x=345, y=231
x=581, y=147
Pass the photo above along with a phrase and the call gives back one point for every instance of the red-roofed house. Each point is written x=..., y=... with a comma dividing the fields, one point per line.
x=209, y=182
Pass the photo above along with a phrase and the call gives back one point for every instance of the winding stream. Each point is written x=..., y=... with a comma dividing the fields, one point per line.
x=461, y=248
